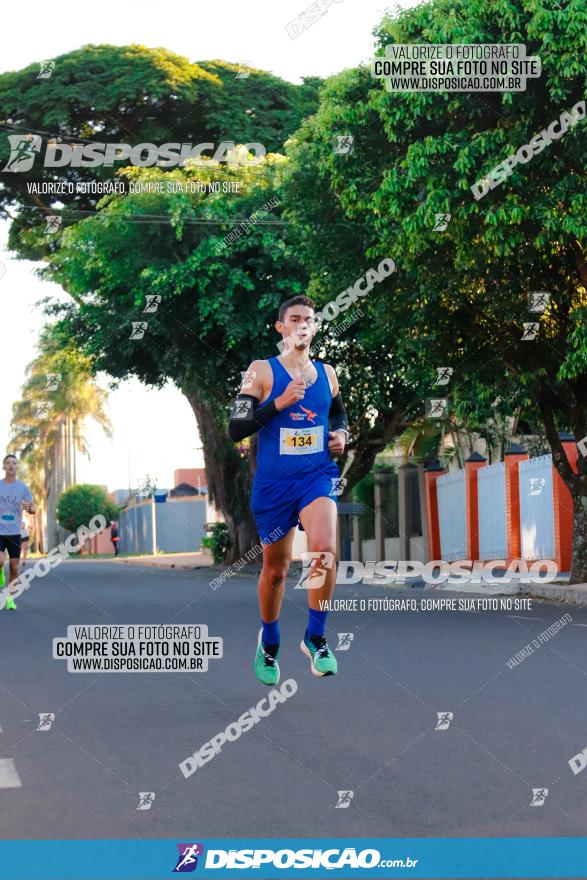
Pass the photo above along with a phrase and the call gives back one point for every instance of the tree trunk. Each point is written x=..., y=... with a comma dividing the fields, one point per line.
x=579, y=559
x=51, y=491
x=576, y=483
x=229, y=476
x=366, y=446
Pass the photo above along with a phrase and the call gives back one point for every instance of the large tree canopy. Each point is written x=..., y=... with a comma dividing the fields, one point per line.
x=460, y=297
x=110, y=254
x=215, y=307
x=132, y=95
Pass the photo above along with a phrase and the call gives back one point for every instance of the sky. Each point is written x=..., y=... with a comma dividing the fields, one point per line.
x=155, y=429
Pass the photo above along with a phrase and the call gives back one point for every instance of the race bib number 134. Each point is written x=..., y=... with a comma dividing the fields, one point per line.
x=301, y=441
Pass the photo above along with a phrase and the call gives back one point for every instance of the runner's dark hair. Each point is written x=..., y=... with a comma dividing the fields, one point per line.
x=10, y=455
x=299, y=300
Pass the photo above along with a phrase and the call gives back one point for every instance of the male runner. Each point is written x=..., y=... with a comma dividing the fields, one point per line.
x=14, y=497
x=293, y=402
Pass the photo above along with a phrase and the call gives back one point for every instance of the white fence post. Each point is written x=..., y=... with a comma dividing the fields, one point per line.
x=492, y=512
x=452, y=515
x=536, y=508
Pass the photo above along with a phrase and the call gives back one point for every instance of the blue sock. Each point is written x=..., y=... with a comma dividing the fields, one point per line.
x=316, y=622
x=271, y=634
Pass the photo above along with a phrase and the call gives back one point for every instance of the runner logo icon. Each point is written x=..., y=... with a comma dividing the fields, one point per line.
x=315, y=568
x=187, y=859
x=444, y=719
x=22, y=152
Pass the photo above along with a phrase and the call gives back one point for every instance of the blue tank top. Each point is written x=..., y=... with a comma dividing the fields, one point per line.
x=294, y=444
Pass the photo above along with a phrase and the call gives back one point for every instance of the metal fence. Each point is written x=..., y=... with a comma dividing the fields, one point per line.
x=135, y=528
x=389, y=516
x=452, y=515
x=492, y=515
x=181, y=525
x=171, y=527
x=536, y=508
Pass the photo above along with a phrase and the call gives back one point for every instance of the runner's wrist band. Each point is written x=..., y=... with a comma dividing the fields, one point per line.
x=248, y=416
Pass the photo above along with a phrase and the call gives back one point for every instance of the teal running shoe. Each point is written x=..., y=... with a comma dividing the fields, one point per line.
x=267, y=662
x=322, y=660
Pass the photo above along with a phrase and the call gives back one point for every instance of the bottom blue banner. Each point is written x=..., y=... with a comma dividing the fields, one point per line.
x=223, y=858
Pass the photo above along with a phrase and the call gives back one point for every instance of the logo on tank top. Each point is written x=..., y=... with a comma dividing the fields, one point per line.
x=302, y=416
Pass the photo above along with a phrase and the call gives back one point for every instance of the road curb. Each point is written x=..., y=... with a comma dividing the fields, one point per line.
x=554, y=592
x=162, y=566
x=575, y=594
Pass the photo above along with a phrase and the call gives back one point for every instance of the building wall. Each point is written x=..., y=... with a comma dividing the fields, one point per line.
x=100, y=543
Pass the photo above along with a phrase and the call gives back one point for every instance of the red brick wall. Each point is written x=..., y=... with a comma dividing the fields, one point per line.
x=190, y=476
x=512, y=503
x=472, y=501
x=563, y=511
x=432, y=512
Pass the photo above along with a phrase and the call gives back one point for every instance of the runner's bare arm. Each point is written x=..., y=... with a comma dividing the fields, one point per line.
x=257, y=380
x=332, y=379
x=249, y=414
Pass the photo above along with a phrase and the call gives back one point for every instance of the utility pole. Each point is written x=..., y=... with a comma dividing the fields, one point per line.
x=153, y=526
x=74, y=451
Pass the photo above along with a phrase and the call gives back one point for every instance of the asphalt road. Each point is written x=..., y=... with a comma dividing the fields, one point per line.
x=369, y=730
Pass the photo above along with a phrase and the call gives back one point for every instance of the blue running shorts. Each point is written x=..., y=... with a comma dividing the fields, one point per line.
x=276, y=504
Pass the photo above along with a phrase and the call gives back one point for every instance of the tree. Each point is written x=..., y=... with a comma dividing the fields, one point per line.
x=133, y=95
x=217, y=305
x=459, y=298
x=338, y=248
x=48, y=421
x=80, y=503
x=129, y=95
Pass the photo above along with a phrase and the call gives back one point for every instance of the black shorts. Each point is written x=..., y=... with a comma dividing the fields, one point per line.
x=12, y=544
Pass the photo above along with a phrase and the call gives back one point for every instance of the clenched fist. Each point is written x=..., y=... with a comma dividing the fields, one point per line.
x=295, y=391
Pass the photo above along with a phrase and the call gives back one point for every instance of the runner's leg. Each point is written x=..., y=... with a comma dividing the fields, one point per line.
x=319, y=519
x=13, y=548
x=276, y=561
x=13, y=569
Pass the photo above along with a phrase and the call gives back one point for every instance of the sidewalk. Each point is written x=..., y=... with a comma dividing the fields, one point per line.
x=178, y=561
x=560, y=592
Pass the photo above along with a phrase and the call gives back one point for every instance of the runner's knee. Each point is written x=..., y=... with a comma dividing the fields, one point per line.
x=324, y=544
x=275, y=573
